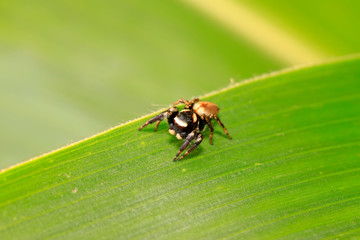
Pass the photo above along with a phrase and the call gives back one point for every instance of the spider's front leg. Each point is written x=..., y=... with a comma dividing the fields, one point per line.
x=198, y=139
x=171, y=112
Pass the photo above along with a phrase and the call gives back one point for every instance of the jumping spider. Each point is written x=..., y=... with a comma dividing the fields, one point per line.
x=189, y=122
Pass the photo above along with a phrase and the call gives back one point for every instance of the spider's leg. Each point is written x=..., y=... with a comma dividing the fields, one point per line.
x=181, y=101
x=222, y=125
x=186, y=143
x=186, y=102
x=194, y=100
x=157, y=125
x=208, y=122
x=197, y=142
x=160, y=117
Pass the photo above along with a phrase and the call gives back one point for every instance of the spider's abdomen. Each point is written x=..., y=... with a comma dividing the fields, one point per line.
x=206, y=109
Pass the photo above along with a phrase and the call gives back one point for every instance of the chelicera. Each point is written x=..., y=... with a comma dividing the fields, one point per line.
x=189, y=123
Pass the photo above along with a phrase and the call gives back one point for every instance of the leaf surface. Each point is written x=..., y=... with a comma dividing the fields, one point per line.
x=291, y=171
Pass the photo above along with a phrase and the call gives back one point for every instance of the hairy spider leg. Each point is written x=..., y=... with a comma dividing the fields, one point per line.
x=197, y=142
x=158, y=118
x=222, y=125
x=157, y=125
x=186, y=143
x=181, y=101
x=194, y=100
x=208, y=122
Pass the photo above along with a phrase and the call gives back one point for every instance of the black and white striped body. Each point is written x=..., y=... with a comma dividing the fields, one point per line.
x=184, y=123
x=188, y=123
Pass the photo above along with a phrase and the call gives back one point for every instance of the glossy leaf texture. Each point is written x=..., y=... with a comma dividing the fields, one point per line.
x=292, y=171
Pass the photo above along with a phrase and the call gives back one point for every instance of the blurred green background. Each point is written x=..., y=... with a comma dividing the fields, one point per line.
x=70, y=69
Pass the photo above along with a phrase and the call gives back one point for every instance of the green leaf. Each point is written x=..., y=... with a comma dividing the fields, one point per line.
x=291, y=171
x=80, y=61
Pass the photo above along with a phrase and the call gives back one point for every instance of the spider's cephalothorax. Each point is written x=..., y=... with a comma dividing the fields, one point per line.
x=189, y=122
